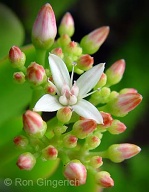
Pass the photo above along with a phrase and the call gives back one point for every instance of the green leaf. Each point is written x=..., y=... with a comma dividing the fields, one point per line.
x=11, y=30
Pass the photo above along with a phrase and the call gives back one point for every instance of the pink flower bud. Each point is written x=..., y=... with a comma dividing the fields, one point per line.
x=50, y=89
x=117, y=127
x=44, y=29
x=26, y=161
x=17, y=57
x=36, y=73
x=124, y=103
x=20, y=141
x=67, y=25
x=75, y=172
x=96, y=161
x=73, y=48
x=83, y=128
x=107, y=120
x=85, y=62
x=128, y=90
x=70, y=141
x=102, y=81
x=33, y=124
x=104, y=179
x=92, y=42
x=19, y=77
x=119, y=152
x=115, y=72
x=49, y=153
x=64, y=114
x=63, y=40
x=58, y=51
x=92, y=141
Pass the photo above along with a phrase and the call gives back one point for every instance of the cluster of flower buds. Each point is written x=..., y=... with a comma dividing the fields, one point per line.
x=79, y=124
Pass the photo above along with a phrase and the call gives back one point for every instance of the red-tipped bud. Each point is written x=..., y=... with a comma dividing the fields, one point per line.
x=49, y=153
x=83, y=128
x=117, y=127
x=64, y=114
x=26, y=161
x=107, y=120
x=70, y=141
x=33, y=124
x=115, y=72
x=119, y=152
x=92, y=42
x=102, y=81
x=58, y=51
x=17, y=57
x=75, y=172
x=124, y=103
x=19, y=77
x=73, y=48
x=128, y=90
x=67, y=25
x=92, y=141
x=20, y=141
x=96, y=161
x=36, y=73
x=44, y=29
x=50, y=88
x=58, y=130
x=104, y=179
x=85, y=62
x=64, y=40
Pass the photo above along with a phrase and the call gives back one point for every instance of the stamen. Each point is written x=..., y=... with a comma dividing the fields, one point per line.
x=98, y=89
x=72, y=73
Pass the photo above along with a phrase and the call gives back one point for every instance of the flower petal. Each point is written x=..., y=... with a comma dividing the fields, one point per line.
x=87, y=110
x=47, y=103
x=89, y=79
x=59, y=71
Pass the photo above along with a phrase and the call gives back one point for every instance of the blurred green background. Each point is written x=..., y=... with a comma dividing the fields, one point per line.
x=128, y=39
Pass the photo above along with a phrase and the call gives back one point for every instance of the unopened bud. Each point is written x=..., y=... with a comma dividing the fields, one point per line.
x=44, y=29
x=49, y=153
x=50, y=88
x=83, y=128
x=58, y=51
x=92, y=42
x=36, y=73
x=75, y=172
x=33, y=124
x=128, y=90
x=119, y=152
x=92, y=141
x=96, y=161
x=104, y=179
x=107, y=120
x=67, y=25
x=20, y=141
x=58, y=130
x=85, y=62
x=117, y=127
x=70, y=141
x=73, y=48
x=102, y=81
x=64, y=114
x=115, y=72
x=17, y=57
x=19, y=77
x=26, y=161
x=64, y=40
x=123, y=104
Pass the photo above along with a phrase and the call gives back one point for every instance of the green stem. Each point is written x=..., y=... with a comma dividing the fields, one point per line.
x=40, y=56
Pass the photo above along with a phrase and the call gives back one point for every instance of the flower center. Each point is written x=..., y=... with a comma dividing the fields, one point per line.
x=69, y=96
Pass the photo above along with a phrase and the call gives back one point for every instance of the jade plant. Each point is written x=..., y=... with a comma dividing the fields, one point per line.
x=77, y=95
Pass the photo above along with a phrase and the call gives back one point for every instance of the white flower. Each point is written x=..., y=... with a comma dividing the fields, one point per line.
x=71, y=95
